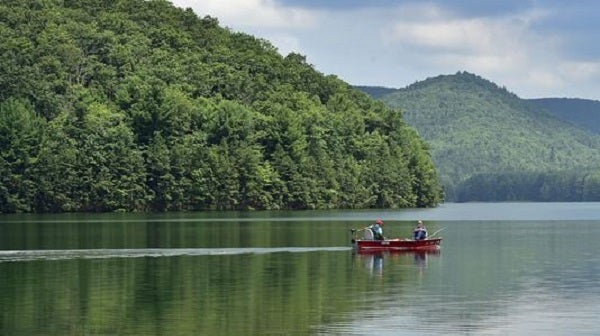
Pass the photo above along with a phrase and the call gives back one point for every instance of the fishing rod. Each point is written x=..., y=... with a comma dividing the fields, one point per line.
x=436, y=232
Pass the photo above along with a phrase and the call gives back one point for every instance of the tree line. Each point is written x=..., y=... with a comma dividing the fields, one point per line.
x=141, y=106
x=489, y=144
x=531, y=186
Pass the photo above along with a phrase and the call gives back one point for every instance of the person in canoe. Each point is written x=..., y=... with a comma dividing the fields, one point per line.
x=377, y=229
x=420, y=231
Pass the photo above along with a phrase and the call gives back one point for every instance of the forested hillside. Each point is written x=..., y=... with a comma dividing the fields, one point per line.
x=583, y=113
x=490, y=145
x=137, y=105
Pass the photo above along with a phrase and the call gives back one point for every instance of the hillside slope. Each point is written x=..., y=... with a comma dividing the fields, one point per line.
x=479, y=130
x=583, y=113
x=141, y=106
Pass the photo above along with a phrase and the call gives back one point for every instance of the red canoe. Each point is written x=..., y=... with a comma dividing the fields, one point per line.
x=368, y=244
x=364, y=245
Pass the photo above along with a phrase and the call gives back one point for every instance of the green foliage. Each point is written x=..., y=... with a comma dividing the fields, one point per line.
x=531, y=186
x=583, y=113
x=21, y=131
x=141, y=106
x=89, y=163
x=490, y=145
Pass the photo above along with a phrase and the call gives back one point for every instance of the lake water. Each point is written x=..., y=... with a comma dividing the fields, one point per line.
x=503, y=269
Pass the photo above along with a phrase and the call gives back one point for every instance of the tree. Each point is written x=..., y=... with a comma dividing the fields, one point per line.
x=21, y=130
x=145, y=106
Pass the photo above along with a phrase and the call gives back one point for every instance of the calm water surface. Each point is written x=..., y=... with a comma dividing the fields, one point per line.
x=504, y=269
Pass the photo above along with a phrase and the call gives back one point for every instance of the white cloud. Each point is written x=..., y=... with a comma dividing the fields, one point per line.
x=250, y=13
x=262, y=18
x=398, y=45
x=285, y=43
x=505, y=49
x=580, y=71
x=483, y=43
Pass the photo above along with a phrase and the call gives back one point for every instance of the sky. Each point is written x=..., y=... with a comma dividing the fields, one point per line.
x=536, y=49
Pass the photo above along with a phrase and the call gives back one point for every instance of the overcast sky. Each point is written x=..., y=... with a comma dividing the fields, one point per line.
x=543, y=48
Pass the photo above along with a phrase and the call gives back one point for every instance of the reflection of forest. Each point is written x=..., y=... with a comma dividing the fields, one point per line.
x=482, y=271
x=232, y=294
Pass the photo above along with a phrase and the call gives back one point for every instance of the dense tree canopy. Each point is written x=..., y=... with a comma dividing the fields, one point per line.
x=490, y=145
x=583, y=113
x=133, y=105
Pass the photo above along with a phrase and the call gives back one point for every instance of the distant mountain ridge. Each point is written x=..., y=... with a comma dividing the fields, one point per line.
x=481, y=132
x=583, y=113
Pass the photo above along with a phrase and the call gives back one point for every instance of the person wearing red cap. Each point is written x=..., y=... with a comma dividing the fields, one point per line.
x=377, y=229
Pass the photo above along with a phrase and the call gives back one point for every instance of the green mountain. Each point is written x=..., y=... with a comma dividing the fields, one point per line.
x=138, y=105
x=490, y=145
x=583, y=113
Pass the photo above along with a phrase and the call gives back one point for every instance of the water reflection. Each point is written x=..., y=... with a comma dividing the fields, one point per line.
x=279, y=277
x=374, y=261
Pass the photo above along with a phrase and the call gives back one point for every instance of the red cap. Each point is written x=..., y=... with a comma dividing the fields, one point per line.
x=379, y=221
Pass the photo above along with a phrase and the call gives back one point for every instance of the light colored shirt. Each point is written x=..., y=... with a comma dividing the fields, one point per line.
x=377, y=229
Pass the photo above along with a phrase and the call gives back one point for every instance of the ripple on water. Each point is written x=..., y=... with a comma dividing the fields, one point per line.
x=30, y=255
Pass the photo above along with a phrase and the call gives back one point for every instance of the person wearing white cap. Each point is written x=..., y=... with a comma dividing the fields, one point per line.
x=420, y=232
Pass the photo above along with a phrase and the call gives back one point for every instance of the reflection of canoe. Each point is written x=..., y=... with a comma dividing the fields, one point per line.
x=396, y=252
x=374, y=259
x=367, y=245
